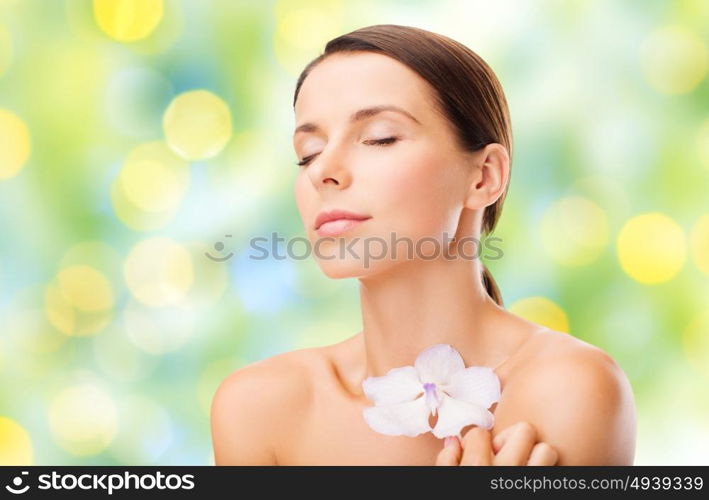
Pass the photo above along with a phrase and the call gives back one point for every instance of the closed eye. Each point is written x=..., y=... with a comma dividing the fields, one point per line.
x=374, y=142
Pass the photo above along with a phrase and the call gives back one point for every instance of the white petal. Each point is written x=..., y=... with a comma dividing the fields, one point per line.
x=438, y=363
x=479, y=385
x=407, y=419
x=397, y=386
x=454, y=414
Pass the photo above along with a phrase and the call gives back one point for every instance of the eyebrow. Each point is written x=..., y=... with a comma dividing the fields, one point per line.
x=360, y=115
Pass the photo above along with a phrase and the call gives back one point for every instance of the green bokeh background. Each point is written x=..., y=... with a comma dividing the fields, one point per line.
x=609, y=102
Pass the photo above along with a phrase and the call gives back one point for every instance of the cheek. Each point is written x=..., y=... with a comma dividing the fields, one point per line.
x=303, y=195
x=418, y=196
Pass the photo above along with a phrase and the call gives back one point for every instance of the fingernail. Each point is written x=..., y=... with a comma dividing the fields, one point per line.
x=448, y=441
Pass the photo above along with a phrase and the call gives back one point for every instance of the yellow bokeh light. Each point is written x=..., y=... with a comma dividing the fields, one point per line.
x=154, y=178
x=85, y=288
x=197, y=125
x=14, y=144
x=5, y=49
x=574, y=231
x=59, y=310
x=303, y=27
x=150, y=186
x=15, y=443
x=83, y=419
x=128, y=20
x=132, y=216
x=292, y=23
x=541, y=311
x=696, y=343
x=699, y=243
x=79, y=301
x=70, y=320
x=674, y=59
x=98, y=255
x=158, y=271
x=651, y=248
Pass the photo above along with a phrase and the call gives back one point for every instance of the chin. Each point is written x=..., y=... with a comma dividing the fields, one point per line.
x=352, y=268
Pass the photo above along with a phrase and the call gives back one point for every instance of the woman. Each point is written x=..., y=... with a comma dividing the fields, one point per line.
x=404, y=142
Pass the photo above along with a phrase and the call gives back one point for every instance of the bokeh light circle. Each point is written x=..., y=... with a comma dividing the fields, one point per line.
x=15, y=443
x=158, y=271
x=79, y=301
x=85, y=288
x=150, y=186
x=651, y=248
x=674, y=59
x=542, y=311
x=132, y=216
x=83, y=419
x=153, y=178
x=197, y=125
x=14, y=144
x=128, y=20
x=303, y=27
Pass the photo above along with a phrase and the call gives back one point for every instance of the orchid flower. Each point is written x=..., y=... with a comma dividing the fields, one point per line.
x=438, y=383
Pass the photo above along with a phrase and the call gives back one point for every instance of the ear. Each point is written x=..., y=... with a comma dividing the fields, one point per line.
x=488, y=177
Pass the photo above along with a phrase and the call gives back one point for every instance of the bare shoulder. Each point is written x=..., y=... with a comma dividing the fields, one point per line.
x=251, y=407
x=579, y=400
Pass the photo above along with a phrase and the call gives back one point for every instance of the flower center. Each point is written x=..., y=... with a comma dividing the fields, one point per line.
x=433, y=399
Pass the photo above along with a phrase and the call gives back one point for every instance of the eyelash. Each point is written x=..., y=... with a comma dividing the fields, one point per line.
x=377, y=142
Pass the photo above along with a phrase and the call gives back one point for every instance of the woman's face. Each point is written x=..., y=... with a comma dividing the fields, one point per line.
x=413, y=188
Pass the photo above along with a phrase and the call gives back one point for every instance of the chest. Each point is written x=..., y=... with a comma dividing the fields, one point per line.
x=333, y=432
x=336, y=434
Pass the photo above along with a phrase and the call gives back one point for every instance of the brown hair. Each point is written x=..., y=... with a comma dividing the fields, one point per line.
x=466, y=91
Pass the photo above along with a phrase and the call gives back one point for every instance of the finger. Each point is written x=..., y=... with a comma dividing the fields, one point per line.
x=518, y=445
x=501, y=438
x=477, y=447
x=543, y=454
x=450, y=454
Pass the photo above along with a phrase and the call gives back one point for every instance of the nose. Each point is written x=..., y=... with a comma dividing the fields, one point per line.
x=329, y=171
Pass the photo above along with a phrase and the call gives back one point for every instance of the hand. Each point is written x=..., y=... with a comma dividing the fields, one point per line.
x=516, y=445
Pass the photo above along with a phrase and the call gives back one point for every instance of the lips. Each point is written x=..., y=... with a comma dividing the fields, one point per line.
x=337, y=221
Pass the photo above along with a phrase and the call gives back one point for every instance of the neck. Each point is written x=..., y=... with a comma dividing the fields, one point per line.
x=419, y=303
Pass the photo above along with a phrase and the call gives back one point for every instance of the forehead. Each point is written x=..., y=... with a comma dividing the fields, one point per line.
x=345, y=82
